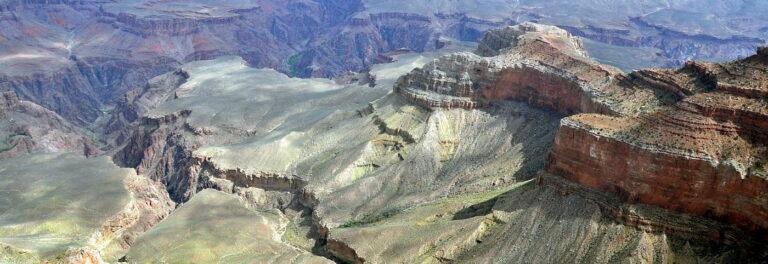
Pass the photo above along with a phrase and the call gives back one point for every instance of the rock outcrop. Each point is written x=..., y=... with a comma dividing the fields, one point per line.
x=26, y=127
x=369, y=167
x=541, y=65
x=345, y=162
x=703, y=156
x=78, y=57
x=690, y=140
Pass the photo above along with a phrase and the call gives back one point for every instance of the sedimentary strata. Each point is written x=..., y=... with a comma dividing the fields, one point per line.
x=704, y=156
x=541, y=65
x=26, y=127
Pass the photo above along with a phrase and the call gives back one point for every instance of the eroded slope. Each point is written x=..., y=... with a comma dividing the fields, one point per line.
x=218, y=227
x=705, y=155
x=26, y=127
x=66, y=208
x=370, y=167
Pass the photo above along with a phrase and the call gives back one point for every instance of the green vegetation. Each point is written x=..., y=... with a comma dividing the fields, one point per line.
x=12, y=140
x=370, y=219
x=292, y=64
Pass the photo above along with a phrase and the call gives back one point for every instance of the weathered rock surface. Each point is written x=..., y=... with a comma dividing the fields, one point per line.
x=346, y=151
x=70, y=209
x=78, y=57
x=312, y=168
x=675, y=31
x=559, y=221
x=219, y=227
x=26, y=127
x=691, y=140
x=703, y=156
x=377, y=176
x=541, y=65
x=220, y=104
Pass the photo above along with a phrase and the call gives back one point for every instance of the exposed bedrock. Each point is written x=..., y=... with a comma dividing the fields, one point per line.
x=81, y=92
x=542, y=89
x=171, y=27
x=675, y=181
x=26, y=127
x=346, y=152
x=692, y=140
x=160, y=149
x=677, y=45
x=704, y=156
x=541, y=65
x=78, y=57
x=378, y=176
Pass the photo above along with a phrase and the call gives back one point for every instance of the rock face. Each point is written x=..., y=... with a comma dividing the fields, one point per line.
x=703, y=156
x=469, y=160
x=231, y=127
x=377, y=174
x=673, y=32
x=691, y=140
x=78, y=57
x=541, y=65
x=26, y=127
x=562, y=221
x=64, y=207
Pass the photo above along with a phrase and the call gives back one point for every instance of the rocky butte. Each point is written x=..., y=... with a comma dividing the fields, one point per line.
x=691, y=140
x=703, y=155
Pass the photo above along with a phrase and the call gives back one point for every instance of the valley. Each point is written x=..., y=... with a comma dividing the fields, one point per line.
x=324, y=131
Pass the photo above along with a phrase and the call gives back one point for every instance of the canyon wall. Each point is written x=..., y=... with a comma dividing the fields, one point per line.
x=451, y=151
x=26, y=127
x=541, y=65
x=78, y=57
x=691, y=140
x=703, y=156
x=641, y=174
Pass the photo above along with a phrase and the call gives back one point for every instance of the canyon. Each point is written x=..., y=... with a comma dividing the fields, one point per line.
x=381, y=132
x=77, y=58
x=690, y=140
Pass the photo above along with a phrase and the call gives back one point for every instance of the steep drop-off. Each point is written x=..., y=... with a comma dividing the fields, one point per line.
x=371, y=167
x=703, y=156
x=26, y=127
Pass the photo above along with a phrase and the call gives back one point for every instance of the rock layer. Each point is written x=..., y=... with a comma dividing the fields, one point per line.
x=541, y=65
x=26, y=127
x=693, y=132
x=369, y=168
x=703, y=156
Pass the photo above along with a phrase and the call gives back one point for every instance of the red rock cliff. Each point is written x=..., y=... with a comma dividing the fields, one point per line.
x=704, y=156
x=689, y=184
